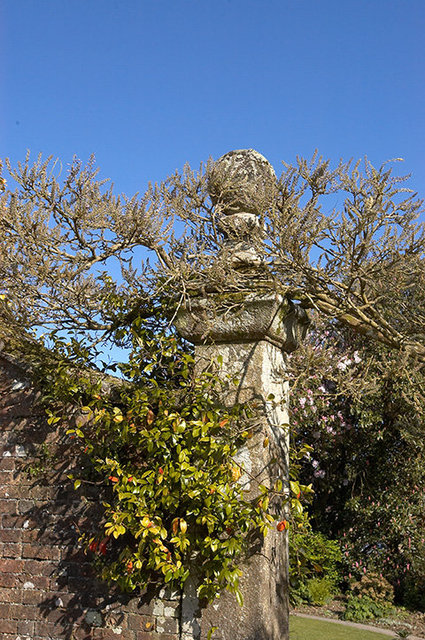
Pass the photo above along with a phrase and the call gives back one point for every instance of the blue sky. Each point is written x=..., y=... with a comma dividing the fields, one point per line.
x=147, y=85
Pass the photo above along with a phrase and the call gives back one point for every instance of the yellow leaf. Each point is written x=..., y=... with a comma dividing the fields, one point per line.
x=236, y=474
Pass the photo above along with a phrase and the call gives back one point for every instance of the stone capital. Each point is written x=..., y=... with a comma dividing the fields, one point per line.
x=236, y=318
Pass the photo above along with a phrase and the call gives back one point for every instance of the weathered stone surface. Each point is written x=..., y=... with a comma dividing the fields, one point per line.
x=233, y=318
x=240, y=181
x=250, y=336
x=260, y=370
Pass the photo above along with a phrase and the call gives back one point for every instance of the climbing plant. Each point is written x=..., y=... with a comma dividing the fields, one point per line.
x=160, y=448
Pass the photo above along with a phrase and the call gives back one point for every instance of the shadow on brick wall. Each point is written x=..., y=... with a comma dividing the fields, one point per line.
x=48, y=586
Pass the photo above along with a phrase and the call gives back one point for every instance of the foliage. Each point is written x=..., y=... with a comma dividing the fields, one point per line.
x=314, y=564
x=160, y=449
x=319, y=590
x=373, y=586
x=361, y=608
x=113, y=271
x=414, y=592
x=63, y=234
x=360, y=406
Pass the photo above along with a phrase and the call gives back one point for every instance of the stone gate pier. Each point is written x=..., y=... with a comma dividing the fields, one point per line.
x=48, y=587
x=250, y=333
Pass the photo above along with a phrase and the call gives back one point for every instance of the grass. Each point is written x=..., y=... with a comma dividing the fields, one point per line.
x=305, y=629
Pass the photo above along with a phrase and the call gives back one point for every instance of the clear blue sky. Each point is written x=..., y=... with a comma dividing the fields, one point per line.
x=147, y=85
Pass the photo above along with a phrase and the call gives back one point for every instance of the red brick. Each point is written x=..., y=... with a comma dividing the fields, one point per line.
x=11, y=550
x=145, y=635
x=10, y=595
x=10, y=535
x=7, y=579
x=9, y=506
x=6, y=477
x=35, y=567
x=7, y=463
x=32, y=596
x=26, y=507
x=9, y=491
x=23, y=612
x=57, y=614
x=83, y=634
x=141, y=623
x=39, y=582
x=13, y=522
x=136, y=605
x=5, y=611
x=11, y=566
x=109, y=634
x=47, y=629
x=26, y=627
x=9, y=626
x=37, y=492
x=40, y=552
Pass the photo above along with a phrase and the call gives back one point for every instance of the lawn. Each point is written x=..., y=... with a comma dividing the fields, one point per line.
x=305, y=629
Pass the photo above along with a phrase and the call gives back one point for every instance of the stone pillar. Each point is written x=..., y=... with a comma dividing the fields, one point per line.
x=252, y=333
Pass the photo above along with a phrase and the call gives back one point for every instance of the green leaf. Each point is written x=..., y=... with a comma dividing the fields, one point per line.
x=239, y=597
x=210, y=632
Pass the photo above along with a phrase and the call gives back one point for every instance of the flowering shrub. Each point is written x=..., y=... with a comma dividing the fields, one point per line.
x=360, y=407
x=160, y=448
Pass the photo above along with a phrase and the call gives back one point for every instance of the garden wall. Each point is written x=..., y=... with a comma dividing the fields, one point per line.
x=48, y=590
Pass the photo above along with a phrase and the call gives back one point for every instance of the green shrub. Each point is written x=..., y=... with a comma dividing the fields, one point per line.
x=414, y=593
x=360, y=608
x=319, y=591
x=314, y=560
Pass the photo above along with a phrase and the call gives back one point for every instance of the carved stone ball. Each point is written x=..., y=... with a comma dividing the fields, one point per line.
x=241, y=181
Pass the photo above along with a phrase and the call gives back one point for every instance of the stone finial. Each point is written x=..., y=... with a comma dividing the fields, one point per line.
x=240, y=181
x=240, y=186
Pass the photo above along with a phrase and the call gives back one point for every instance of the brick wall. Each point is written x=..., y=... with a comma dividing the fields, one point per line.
x=48, y=590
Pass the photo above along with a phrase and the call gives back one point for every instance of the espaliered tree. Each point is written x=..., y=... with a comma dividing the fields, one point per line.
x=91, y=269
